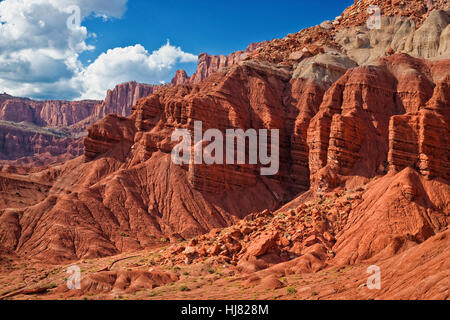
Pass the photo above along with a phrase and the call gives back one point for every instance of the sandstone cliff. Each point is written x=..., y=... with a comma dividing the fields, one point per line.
x=44, y=113
x=120, y=100
x=22, y=143
x=21, y=146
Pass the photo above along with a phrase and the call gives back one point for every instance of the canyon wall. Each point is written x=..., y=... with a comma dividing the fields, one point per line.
x=44, y=113
x=21, y=146
x=120, y=100
x=30, y=142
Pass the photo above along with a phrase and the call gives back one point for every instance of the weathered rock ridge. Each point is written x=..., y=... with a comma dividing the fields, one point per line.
x=208, y=65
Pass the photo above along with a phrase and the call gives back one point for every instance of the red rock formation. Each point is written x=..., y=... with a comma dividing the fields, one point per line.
x=107, y=133
x=350, y=135
x=128, y=281
x=27, y=149
x=175, y=199
x=420, y=139
x=17, y=143
x=21, y=191
x=307, y=96
x=120, y=100
x=181, y=77
x=44, y=113
x=242, y=98
x=75, y=113
x=397, y=212
x=380, y=220
x=417, y=11
x=30, y=130
x=208, y=65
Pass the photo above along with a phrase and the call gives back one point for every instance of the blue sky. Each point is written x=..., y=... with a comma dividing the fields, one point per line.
x=77, y=49
x=215, y=27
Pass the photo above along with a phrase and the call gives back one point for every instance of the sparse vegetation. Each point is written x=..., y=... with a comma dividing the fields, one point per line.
x=51, y=286
x=184, y=288
x=291, y=290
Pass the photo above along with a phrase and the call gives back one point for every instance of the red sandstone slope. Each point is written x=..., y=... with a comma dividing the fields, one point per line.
x=364, y=174
x=288, y=254
x=344, y=227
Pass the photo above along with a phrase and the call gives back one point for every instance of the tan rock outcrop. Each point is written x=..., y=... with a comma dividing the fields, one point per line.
x=399, y=34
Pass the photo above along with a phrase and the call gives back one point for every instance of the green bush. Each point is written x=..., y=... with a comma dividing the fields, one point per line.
x=291, y=290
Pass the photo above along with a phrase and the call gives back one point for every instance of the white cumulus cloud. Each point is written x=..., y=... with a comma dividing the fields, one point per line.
x=39, y=52
x=130, y=63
